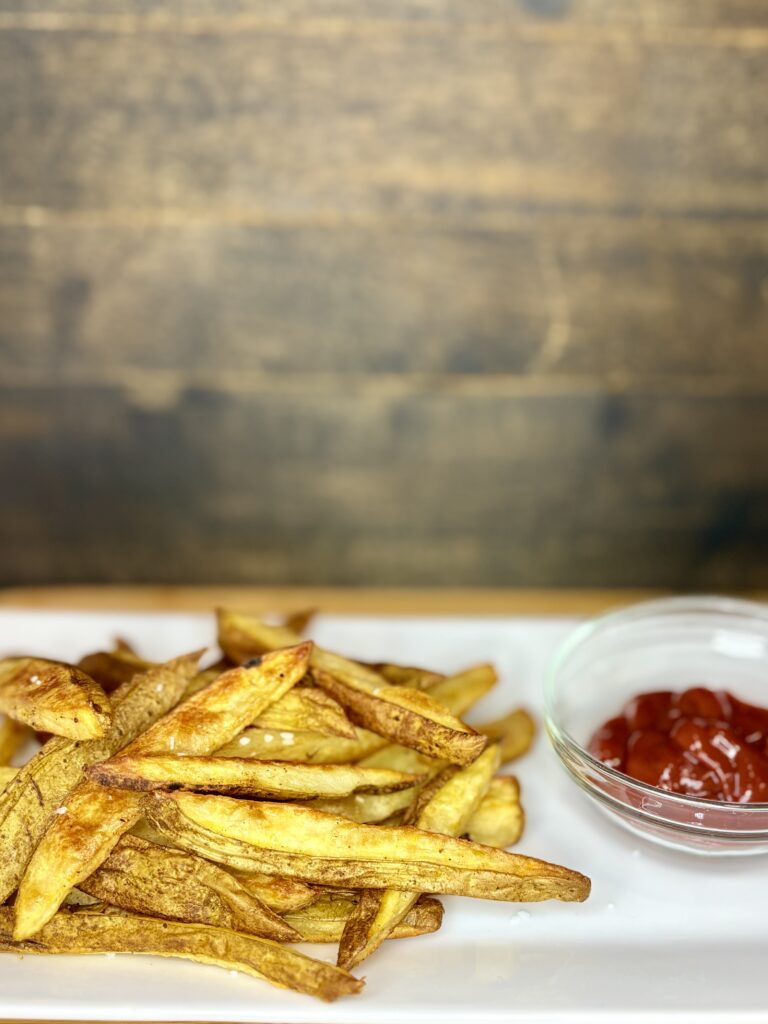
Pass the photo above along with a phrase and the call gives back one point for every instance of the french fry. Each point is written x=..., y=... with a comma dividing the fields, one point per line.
x=243, y=637
x=310, y=747
x=499, y=820
x=445, y=806
x=457, y=693
x=243, y=777
x=40, y=787
x=283, y=895
x=513, y=732
x=406, y=716
x=324, y=921
x=79, y=840
x=298, y=621
x=306, y=708
x=143, y=830
x=463, y=689
x=400, y=758
x=405, y=675
x=124, y=646
x=370, y=808
x=111, y=669
x=53, y=697
x=204, y=678
x=13, y=736
x=410, y=717
x=329, y=850
x=379, y=808
x=158, y=882
x=88, y=931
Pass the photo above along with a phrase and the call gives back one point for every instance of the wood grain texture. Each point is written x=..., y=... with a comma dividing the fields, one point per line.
x=588, y=300
x=565, y=15
x=298, y=124
x=423, y=292
x=331, y=600
x=287, y=485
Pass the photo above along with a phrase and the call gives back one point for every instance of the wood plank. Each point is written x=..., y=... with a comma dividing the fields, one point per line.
x=550, y=297
x=330, y=600
x=576, y=14
x=299, y=124
x=300, y=484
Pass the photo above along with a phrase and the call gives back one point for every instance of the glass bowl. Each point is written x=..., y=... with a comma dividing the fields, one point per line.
x=670, y=644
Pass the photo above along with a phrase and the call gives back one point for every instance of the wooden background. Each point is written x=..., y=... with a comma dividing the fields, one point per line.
x=414, y=292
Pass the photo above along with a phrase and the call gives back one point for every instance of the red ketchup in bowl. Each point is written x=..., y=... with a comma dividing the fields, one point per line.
x=700, y=743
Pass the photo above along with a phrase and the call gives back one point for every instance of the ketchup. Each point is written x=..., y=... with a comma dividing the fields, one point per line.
x=701, y=743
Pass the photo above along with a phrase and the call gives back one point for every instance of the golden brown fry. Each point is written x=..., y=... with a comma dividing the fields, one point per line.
x=242, y=637
x=232, y=699
x=299, y=621
x=202, y=680
x=244, y=777
x=159, y=882
x=306, y=709
x=444, y=806
x=124, y=646
x=143, y=830
x=402, y=759
x=324, y=921
x=410, y=717
x=112, y=668
x=460, y=691
x=6, y=774
x=79, y=840
x=310, y=747
x=514, y=733
x=456, y=693
x=283, y=895
x=40, y=787
x=431, y=790
x=88, y=931
x=368, y=807
x=500, y=819
x=323, y=848
x=13, y=736
x=375, y=807
x=76, y=842
x=405, y=675
x=53, y=697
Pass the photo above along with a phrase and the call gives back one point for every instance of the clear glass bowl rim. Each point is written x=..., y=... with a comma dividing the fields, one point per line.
x=700, y=604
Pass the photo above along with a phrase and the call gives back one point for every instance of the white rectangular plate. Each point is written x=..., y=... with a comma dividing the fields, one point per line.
x=664, y=936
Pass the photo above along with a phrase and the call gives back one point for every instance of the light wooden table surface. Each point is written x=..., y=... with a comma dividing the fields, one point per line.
x=377, y=601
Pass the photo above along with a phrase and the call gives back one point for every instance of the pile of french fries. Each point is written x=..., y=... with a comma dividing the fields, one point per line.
x=286, y=794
